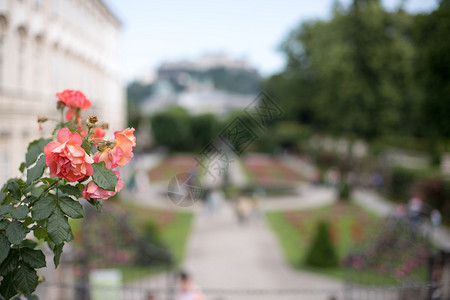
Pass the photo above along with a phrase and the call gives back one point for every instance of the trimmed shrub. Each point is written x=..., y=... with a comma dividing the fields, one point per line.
x=344, y=191
x=322, y=252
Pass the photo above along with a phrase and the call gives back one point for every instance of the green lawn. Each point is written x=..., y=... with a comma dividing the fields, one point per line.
x=295, y=231
x=175, y=235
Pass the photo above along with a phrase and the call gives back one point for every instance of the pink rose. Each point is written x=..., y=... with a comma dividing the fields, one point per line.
x=75, y=100
x=92, y=191
x=122, y=151
x=66, y=159
x=99, y=133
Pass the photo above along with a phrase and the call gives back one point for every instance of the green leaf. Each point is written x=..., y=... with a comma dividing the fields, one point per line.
x=70, y=190
x=27, y=189
x=21, y=183
x=8, y=288
x=10, y=263
x=5, y=246
x=29, y=199
x=14, y=189
x=43, y=208
x=104, y=178
x=28, y=243
x=20, y=212
x=34, y=258
x=35, y=148
x=31, y=297
x=40, y=233
x=71, y=207
x=5, y=209
x=3, y=224
x=50, y=180
x=36, y=172
x=58, y=227
x=16, y=232
x=57, y=250
x=27, y=221
x=69, y=236
x=11, y=200
x=37, y=191
x=51, y=245
x=86, y=146
x=26, y=279
x=99, y=205
x=22, y=167
x=2, y=196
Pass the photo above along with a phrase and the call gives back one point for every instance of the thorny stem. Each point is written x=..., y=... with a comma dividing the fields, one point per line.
x=52, y=185
x=48, y=188
x=62, y=117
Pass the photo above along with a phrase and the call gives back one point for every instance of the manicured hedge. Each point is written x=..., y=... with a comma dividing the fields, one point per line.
x=322, y=252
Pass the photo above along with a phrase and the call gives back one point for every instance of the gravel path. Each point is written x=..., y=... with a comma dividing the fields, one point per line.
x=225, y=255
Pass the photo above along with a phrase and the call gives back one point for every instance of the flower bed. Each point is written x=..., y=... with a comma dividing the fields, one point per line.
x=265, y=170
x=172, y=166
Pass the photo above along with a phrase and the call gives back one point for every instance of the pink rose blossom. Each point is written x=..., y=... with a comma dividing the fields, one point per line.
x=66, y=158
x=75, y=100
x=92, y=191
x=122, y=151
x=99, y=133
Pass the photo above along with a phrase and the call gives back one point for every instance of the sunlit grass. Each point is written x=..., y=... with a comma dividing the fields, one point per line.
x=175, y=235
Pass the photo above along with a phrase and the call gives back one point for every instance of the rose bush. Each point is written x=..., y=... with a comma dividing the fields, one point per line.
x=56, y=175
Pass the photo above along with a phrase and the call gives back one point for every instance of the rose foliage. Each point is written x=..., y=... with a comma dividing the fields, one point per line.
x=58, y=173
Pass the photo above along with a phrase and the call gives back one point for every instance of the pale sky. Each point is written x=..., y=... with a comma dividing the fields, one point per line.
x=159, y=30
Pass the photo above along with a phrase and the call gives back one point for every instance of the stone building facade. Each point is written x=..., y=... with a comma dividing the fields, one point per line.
x=47, y=46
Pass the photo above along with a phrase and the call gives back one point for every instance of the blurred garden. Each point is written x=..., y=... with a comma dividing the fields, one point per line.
x=325, y=178
x=364, y=115
x=364, y=99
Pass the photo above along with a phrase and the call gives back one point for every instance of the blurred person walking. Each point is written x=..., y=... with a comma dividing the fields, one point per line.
x=243, y=209
x=400, y=211
x=150, y=296
x=435, y=218
x=256, y=206
x=217, y=197
x=187, y=290
x=415, y=209
x=333, y=177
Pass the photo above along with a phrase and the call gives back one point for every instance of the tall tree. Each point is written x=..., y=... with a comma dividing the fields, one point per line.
x=352, y=74
x=432, y=37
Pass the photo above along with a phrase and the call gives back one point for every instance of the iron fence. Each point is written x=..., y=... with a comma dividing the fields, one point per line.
x=131, y=292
